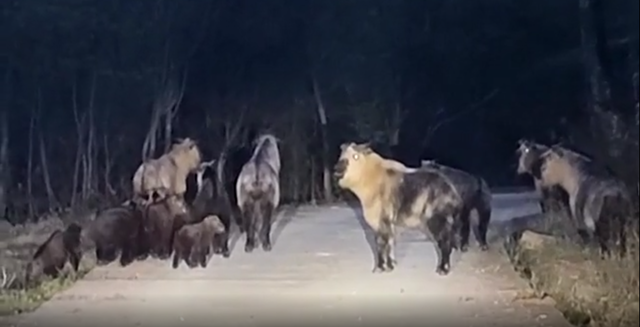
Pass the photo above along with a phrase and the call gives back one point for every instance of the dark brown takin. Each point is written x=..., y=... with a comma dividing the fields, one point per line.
x=476, y=196
x=118, y=230
x=60, y=247
x=195, y=242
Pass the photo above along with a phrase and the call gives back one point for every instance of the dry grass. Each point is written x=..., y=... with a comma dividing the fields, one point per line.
x=589, y=290
x=17, y=245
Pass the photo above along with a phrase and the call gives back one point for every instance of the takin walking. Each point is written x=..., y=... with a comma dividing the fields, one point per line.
x=60, y=247
x=392, y=195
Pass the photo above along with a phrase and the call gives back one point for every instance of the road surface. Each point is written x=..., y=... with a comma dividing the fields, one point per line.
x=319, y=272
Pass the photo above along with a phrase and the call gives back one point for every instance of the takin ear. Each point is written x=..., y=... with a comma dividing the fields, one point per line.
x=427, y=162
x=345, y=146
x=364, y=148
x=207, y=164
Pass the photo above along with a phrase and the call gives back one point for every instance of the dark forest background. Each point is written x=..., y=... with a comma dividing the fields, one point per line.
x=88, y=88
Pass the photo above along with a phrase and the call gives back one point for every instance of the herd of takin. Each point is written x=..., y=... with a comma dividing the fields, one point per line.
x=159, y=221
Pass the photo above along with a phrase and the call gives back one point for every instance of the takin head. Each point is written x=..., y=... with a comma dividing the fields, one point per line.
x=529, y=154
x=358, y=167
x=186, y=154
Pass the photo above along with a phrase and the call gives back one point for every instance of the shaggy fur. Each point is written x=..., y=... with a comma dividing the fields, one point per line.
x=212, y=200
x=530, y=162
x=600, y=203
x=166, y=176
x=118, y=230
x=193, y=242
x=393, y=196
x=258, y=191
x=51, y=256
x=161, y=220
x=476, y=196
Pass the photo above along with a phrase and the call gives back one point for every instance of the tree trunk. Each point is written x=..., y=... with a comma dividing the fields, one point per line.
x=45, y=173
x=79, y=145
x=5, y=174
x=326, y=169
x=32, y=123
x=5, y=167
x=605, y=124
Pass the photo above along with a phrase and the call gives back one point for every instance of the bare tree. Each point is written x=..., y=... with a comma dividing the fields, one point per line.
x=44, y=164
x=322, y=118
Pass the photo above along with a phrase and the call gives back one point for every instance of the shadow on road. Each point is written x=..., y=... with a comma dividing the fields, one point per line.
x=283, y=218
x=354, y=204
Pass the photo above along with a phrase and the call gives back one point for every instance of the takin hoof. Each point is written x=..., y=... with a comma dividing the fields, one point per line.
x=484, y=247
x=442, y=271
x=266, y=247
x=226, y=253
x=464, y=248
x=383, y=269
x=248, y=248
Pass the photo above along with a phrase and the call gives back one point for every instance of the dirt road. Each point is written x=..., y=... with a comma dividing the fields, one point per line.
x=318, y=272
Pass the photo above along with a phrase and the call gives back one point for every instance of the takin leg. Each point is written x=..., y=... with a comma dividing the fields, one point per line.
x=204, y=255
x=442, y=227
x=482, y=226
x=128, y=254
x=249, y=227
x=222, y=240
x=176, y=259
x=74, y=259
x=265, y=229
x=384, y=239
x=464, y=227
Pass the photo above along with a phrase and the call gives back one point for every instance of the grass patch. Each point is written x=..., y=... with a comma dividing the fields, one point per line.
x=588, y=290
x=19, y=300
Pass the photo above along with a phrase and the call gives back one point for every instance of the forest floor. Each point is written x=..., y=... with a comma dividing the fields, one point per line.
x=588, y=289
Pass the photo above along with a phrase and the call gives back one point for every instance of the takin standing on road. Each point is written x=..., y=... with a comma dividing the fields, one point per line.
x=529, y=162
x=193, y=242
x=258, y=191
x=212, y=199
x=393, y=196
x=476, y=196
x=52, y=255
x=600, y=203
x=159, y=178
x=161, y=220
x=118, y=230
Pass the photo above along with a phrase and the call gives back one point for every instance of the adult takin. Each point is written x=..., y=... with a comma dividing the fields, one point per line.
x=161, y=220
x=60, y=247
x=159, y=178
x=194, y=243
x=600, y=203
x=211, y=199
x=118, y=231
x=530, y=162
x=476, y=196
x=258, y=191
x=393, y=196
